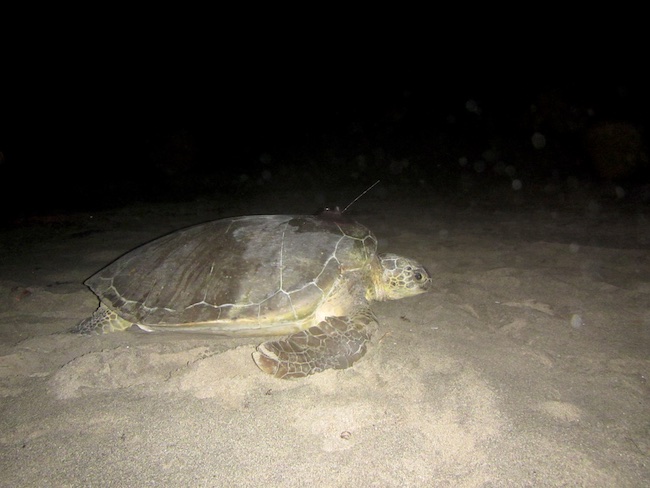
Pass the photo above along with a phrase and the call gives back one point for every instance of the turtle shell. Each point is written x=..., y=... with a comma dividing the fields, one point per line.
x=237, y=274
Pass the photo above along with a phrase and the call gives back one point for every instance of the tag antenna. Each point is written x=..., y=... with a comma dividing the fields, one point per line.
x=365, y=191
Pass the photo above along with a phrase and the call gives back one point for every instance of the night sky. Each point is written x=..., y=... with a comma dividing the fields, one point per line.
x=106, y=138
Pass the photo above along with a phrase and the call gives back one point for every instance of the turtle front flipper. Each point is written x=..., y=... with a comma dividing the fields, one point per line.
x=103, y=320
x=336, y=342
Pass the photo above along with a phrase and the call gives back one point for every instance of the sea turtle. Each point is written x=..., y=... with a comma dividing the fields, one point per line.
x=310, y=277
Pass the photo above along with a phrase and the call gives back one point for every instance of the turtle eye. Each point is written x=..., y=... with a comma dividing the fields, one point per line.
x=418, y=276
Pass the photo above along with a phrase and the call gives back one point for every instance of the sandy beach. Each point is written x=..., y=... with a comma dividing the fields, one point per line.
x=526, y=365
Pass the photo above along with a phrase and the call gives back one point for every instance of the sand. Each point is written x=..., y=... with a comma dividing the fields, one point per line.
x=527, y=365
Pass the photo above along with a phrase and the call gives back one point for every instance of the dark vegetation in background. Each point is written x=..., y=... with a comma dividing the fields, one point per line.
x=64, y=151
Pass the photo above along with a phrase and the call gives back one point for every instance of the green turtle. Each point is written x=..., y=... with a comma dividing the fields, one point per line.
x=309, y=278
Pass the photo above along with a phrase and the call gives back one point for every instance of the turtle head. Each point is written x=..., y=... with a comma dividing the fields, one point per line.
x=400, y=277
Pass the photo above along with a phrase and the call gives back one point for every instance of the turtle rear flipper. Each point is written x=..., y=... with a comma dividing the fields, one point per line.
x=336, y=342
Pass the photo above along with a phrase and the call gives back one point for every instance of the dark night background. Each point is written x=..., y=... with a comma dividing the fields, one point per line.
x=179, y=129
